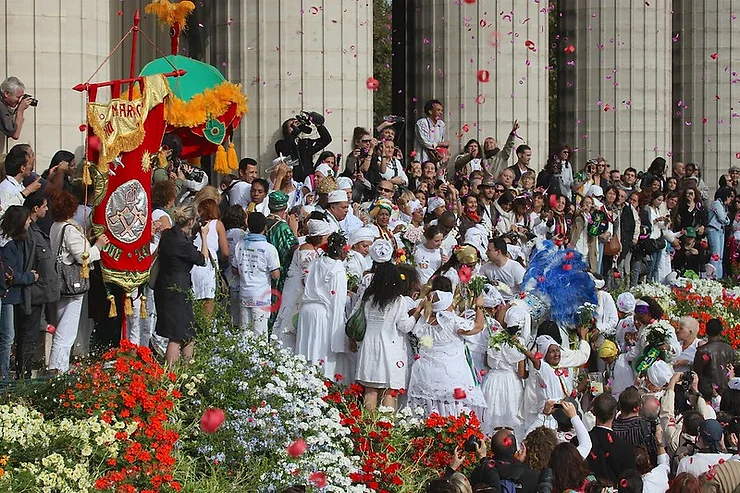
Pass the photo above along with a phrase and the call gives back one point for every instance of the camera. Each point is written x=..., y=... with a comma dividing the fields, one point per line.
x=34, y=102
x=471, y=444
x=192, y=175
x=305, y=119
x=394, y=118
x=686, y=379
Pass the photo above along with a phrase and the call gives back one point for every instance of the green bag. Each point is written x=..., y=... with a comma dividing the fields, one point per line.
x=356, y=324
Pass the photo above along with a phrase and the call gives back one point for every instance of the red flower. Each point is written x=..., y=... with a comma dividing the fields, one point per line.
x=212, y=420
x=465, y=273
x=297, y=448
x=460, y=393
x=318, y=479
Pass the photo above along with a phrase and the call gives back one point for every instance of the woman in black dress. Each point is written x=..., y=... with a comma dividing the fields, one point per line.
x=172, y=289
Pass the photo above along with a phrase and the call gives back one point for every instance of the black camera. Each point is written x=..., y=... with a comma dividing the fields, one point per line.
x=192, y=175
x=394, y=118
x=34, y=102
x=305, y=119
x=686, y=379
x=471, y=444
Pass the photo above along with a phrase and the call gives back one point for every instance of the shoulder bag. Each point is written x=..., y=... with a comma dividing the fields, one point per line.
x=357, y=324
x=71, y=281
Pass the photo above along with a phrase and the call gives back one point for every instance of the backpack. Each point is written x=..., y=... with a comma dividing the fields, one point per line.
x=512, y=484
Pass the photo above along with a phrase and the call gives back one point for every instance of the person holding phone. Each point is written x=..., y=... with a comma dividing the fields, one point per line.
x=19, y=164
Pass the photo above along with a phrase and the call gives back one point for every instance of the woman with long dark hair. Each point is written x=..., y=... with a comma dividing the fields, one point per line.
x=469, y=160
x=382, y=362
x=571, y=472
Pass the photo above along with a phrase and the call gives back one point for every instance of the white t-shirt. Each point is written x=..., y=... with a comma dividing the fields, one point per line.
x=240, y=193
x=511, y=274
x=158, y=214
x=255, y=261
x=700, y=463
x=233, y=237
x=427, y=261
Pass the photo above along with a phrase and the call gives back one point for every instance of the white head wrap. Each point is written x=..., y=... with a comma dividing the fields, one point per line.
x=361, y=234
x=544, y=343
x=415, y=205
x=626, y=302
x=734, y=383
x=595, y=191
x=516, y=316
x=338, y=196
x=478, y=237
x=434, y=202
x=317, y=227
x=660, y=373
x=443, y=302
x=325, y=169
x=381, y=251
x=599, y=283
x=491, y=297
x=343, y=183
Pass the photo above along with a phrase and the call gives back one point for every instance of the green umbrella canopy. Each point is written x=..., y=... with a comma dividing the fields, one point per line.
x=199, y=77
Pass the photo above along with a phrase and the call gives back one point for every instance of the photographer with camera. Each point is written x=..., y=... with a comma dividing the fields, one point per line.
x=13, y=104
x=302, y=149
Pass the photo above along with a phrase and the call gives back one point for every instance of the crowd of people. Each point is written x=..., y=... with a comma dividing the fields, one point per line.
x=408, y=275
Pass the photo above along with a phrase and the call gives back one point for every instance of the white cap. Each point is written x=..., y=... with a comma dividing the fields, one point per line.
x=325, y=170
x=338, y=196
x=317, y=227
x=343, y=183
x=361, y=234
x=434, y=202
x=595, y=191
x=381, y=251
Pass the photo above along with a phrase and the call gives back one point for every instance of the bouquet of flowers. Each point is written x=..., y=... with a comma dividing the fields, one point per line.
x=476, y=285
x=656, y=334
x=353, y=282
x=502, y=338
x=587, y=315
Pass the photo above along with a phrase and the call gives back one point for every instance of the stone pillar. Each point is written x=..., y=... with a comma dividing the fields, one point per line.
x=290, y=57
x=454, y=40
x=614, y=90
x=706, y=86
x=52, y=46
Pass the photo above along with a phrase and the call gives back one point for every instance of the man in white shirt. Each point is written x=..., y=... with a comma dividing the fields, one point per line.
x=503, y=269
x=257, y=263
x=337, y=209
x=351, y=222
x=240, y=191
x=19, y=164
x=258, y=196
x=430, y=133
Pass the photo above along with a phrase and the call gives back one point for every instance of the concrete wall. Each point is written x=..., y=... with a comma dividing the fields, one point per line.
x=455, y=40
x=706, y=90
x=622, y=59
x=52, y=45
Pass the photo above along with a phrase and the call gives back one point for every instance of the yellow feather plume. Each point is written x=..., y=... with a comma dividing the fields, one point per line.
x=170, y=13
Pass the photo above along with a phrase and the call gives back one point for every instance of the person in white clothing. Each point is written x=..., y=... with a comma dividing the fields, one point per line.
x=502, y=269
x=240, y=190
x=320, y=335
x=204, y=278
x=429, y=256
x=19, y=163
x=708, y=450
x=235, y=224
x=67, y=237
x=382, y=362
x=654, y=478
x=688, y=329
x=358, y=261
x=257, y=263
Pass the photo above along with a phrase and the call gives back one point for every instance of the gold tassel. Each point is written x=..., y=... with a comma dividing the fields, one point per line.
x=86, y=179
x=85, y=270
x=233, y=158
x=142, y=310
x=112, y=313
x=162, y=159
x=128, y=307
x=220, y=164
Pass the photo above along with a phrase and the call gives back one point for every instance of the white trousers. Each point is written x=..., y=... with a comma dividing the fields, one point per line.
x=255, y=318
x=69, y=309
x=139, y=330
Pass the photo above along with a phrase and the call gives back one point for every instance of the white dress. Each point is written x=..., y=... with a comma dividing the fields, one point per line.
x=204, y=278
x=443, y=367
x=285, y=323
x=320, y=333
x=503, y=390
x=382, y=360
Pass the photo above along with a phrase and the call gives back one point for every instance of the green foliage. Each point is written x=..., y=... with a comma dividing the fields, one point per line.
x=382, y=56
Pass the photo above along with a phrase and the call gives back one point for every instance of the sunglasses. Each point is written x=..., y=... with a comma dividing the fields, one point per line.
x=385, y=190
x=499, y=190
x=366, y=141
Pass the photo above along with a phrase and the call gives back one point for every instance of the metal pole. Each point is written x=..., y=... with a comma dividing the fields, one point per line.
x=134, y=42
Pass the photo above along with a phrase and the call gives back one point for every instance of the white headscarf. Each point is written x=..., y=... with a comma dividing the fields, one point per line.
x=626, y=302
x=381, y=251
x=361, y=234
x=317, y=227
x=443, y=302
x=544, y=343
x=491, y=297
x=660, y=373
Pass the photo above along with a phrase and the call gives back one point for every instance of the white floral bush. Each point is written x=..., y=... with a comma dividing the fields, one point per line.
x=270, y=398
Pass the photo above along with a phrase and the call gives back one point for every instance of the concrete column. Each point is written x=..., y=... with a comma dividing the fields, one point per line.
x=291, y=56
x=52, y=46
x=614, y=90
x=454, y=40
x=705, y=86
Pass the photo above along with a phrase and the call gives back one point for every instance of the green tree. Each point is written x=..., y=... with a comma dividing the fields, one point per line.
x=382, y=56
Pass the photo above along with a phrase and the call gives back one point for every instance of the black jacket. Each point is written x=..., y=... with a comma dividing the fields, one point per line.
x=303, y=150
x=13, y=256
x=490, y=472
x=610, y=455
x=41, y=258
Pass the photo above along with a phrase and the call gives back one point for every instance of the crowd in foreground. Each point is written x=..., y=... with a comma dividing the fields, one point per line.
x=413, y=277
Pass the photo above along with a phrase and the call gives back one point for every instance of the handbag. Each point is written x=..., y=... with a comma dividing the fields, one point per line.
x=71, y=282
x=613, y=246
x=356, y=324
x=153, y=272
